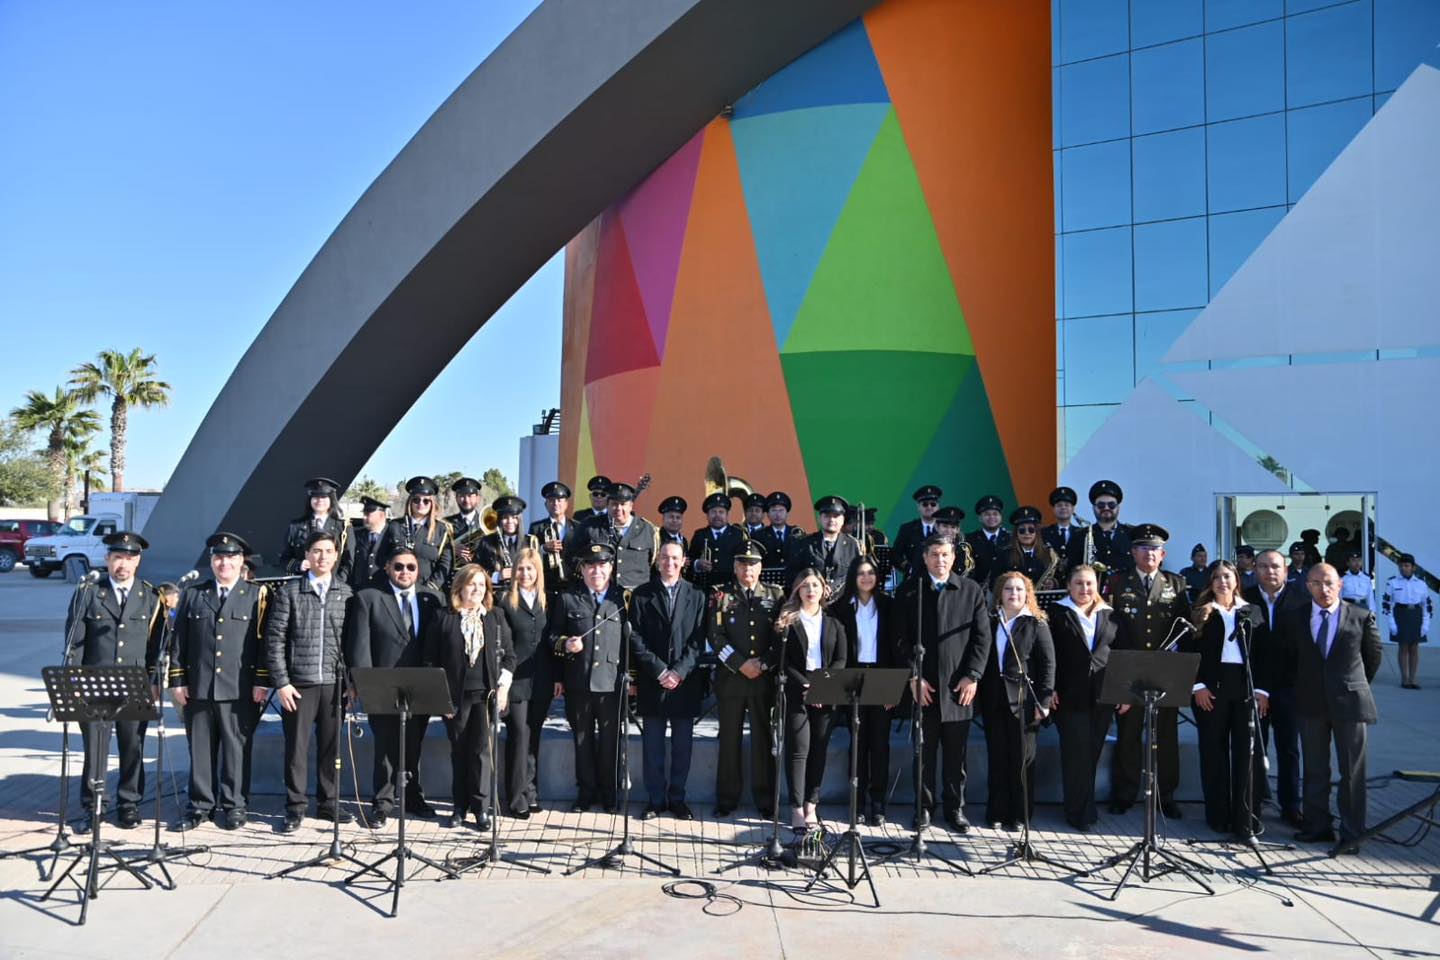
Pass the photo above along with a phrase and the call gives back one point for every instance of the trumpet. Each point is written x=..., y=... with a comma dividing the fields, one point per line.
x=552, y=560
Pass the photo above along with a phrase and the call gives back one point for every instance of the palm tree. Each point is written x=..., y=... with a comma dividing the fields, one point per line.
x=65, y=421
x=81, y=459
x=129, y=380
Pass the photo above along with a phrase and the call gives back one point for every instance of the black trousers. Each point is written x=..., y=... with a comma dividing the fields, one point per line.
x=1282, y=722
x=524, y=724
x=873, y=764
x=947, y=742
x=1009, y=751
x=218, y=732
x=1224, y=775
x=129, y=739
x=386, y=730
x=808, y=729
x=1082, y=739
x=1349, y=736
x=1126, y=771
x=316, y=710
x=595, y=724
x=729, y=778
x=469, y=733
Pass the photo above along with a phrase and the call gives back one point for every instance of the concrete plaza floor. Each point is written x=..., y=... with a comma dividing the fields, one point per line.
x=1383, y=903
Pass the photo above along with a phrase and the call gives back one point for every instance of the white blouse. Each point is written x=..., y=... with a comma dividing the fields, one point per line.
x=1087, y=624
x=811, y=626
x=867, y=624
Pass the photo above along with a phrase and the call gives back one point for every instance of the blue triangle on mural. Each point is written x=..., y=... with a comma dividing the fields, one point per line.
x=796, y=169
x=840, y=70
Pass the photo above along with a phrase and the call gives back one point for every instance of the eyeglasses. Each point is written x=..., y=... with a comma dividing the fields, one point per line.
x=1028, y=528
x=424, y=499
x=1106, y=504
x=401, y=567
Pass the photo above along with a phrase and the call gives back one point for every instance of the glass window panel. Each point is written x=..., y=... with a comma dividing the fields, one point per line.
x=1059, y=188
x=1245, y=72
x=1081, y=424
x=1157, y=21
x=1097, y=272
x=1233, y=237
x=1154, y=333
x=1170, y=175
x=1327, y=54
x=1059, y=360
x=1059, y=278
x=1316, y=135
x=1301, y=6
x=1095, y=100
x=1093, y=28
x=1406, y=32
x=1096, y=182
x=1099, y=359
x=1055, y=108
x=1223, y=14
x=1170, y=268
x=1168, y=86
x=1246, y=163
x=1054, y=32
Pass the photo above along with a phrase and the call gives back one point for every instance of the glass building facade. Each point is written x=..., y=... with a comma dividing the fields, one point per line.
x=1184, y=130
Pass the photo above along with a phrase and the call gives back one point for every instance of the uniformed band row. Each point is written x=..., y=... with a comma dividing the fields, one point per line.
x=1016, y=626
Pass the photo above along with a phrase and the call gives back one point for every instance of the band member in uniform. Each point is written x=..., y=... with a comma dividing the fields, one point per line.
x=947, y=524
x=631, y=539
x=1066, y=535
x=1222, y=700
x=599, y=488
x=864, y=529
x=556, y=536
x=781, y=540
x=1197, y=575
x=1028, y=553
x=754, y=515
x=524, y=606
x=217, y=678
x=1407, y=607
x=1298, y=563
x=1150, y=609
x=467, y=515
x=1106, y=545
x=322, y=512
x=499, y=549
x=1245, y=564
x=830, y=549
x=364, y=544
x=1274, y=599
x=813, y=640
x=987, y=543
x=1082, y=627
x=304, y=633
x=912, y=533
x=1356, y=586
x=1015, y=691
x=713, y=546
x=422, y=532
x=953, y=627
x=385, y=628
x=667, y=617
x=470, y=640
x=864, y=611
x=672, y=524
x=117, y=620
x=740, y=629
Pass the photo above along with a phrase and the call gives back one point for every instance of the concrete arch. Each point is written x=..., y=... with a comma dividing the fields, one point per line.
x=518, y=159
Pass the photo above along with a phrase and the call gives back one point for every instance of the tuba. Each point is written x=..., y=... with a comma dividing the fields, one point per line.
x=489, y=523
x=718, y=481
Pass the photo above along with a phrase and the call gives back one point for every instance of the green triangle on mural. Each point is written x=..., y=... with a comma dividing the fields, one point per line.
x=893, y=403
x=883, y=282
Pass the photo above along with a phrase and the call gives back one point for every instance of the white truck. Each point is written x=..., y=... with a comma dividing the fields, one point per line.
x=80, y=543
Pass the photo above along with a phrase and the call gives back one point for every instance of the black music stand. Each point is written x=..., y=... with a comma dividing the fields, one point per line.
x=1427, y=804
x=868, y=687
x=403, y=691
x=1143, y=678
x=100, y=695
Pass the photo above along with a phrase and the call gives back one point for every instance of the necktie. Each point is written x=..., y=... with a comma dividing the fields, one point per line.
x=124, y=593
x=1065, y=536
x=407, y=613
x=224, y=592
x=1322, y=638
x=319, y=523
x=1149, y=582
x=926, y=529
x=782, y=534
x=599, y=601
x=670, y=601
x=374, y=541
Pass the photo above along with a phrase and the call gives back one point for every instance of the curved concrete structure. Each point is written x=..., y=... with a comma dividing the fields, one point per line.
x=570, y=111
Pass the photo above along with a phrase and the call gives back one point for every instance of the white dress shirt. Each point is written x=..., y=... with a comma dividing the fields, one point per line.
x=1087, y=624
x=1315, y=609
x=811, y=625
x=867, y=622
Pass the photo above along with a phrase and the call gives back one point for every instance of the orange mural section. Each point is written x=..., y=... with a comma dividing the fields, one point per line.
x=580, y=256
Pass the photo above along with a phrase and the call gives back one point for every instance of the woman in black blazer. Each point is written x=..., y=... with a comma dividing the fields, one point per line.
x=1083, y=632
x=813, y=640
x=863, y=610
x=1011, y=706
x=523, y=606
x=470, y=641
x=1223, y=701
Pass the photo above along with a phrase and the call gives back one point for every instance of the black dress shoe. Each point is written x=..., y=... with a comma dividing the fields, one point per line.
x=482, y=821
x=957, y=822
x=535, y=807
x=1172, y=810
x=579, y=807
x=292, y=823
x=127, y=818
x=418, y=807
x=1316, y=836
x=1081, y=827
x=722, y=812
x=877, y=815
x=1293, y=817
x=84, y=825
x=520, y=814
x=651, y=811
x=1119, y=807
x=681, y=812
x=334, y=814
x=1010, y=826
x=766, y=812
x=234, y=820
x=379, y=817
x=191, y=821
x=447, y=823
x=923, y=821
x=609, y=806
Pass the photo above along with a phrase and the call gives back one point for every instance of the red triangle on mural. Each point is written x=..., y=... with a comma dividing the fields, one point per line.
x=619, y=334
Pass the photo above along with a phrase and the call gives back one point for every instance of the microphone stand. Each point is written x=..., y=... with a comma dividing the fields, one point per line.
x=773, y=856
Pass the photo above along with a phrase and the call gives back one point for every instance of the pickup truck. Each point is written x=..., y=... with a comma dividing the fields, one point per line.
x=14, y=533
x=82, y=538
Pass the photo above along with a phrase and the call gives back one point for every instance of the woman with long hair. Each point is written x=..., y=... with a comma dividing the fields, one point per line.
x=321, y=513
x=470, y=641
x=1222, y=698
x=523, y=607
x=1015, y=695
x=813, y=640
x=421, y=531
x=863, y=609
x=1028, y=553
x=1083, y=632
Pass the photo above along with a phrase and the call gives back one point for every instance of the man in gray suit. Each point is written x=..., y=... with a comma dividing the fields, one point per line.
x=1334, y=648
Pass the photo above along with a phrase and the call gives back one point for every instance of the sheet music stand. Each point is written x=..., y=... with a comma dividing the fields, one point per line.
x=868, y=687
x=1143, y=678
x=402, y=691
x=100, y=695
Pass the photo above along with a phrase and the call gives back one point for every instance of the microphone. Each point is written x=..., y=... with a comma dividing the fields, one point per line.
x=90, y=577
x=1185, y=627
x=192, y=575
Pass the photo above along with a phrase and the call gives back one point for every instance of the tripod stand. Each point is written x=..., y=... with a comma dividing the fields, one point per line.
x=402, y=691
x=492, y=853
x=773, y=855
x=1148, y=677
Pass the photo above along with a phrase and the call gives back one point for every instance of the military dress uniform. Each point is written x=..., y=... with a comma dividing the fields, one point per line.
x=634, y=547
x=498, y=551
x=740, y=625
x=779, y=543
x=987, y=546
x=434, y=548
x=561, y=529
x=1407, y=606
x=1068, y=540
x=366, y=560
x=717, y=548
x=299, y=532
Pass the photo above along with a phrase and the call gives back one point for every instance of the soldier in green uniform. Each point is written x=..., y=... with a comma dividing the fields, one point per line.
x=740, y=627
x=1148, y=603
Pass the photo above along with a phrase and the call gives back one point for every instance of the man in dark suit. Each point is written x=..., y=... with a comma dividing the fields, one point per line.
x=905, y=557
x=1108, y=537
x=781, y=540
x=954, y=628
x=555, y=534
x=667, y=617
x=1334, y=649
x=632, y=540
x=830, y=549
x=988, y=542
x=1066, y=536
x=599, y=490
x=467, y=517
x=713, y=546
x=385, y=628
x=364, y=542
x=1275, y=600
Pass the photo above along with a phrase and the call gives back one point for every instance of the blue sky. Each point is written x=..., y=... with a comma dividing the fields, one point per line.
x=167, y=170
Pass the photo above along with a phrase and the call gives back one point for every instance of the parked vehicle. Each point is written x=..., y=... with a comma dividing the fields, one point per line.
x=80, y=542
x=13, y=536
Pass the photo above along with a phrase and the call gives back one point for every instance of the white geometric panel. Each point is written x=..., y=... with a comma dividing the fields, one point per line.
x=1353, y=266
x=1171, y=463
